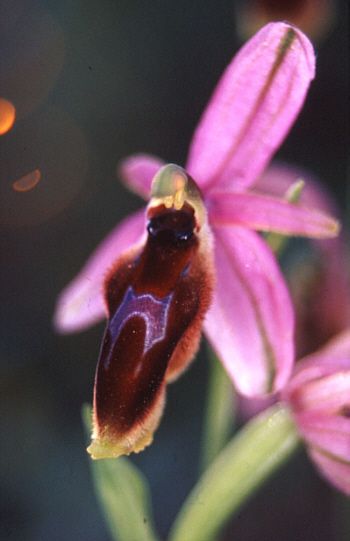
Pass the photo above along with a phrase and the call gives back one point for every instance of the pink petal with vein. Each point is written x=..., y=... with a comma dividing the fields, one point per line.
x=330, y=360
x=329, y=433
x=252, y=109
x=328, y=310
x=327, y=394
x=319, y=394
x=337, y=473
x=278, y=178
x=137, y=172
x=265, y=213
x=250, y=323
x=81, y=304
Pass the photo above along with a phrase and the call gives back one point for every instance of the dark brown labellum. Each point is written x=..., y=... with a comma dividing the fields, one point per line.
x=156, y=297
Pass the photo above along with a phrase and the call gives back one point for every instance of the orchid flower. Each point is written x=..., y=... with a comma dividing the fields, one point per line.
x=319, y=395
x=250, y=320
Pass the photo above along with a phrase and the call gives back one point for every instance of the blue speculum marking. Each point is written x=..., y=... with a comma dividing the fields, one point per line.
x=153, y=311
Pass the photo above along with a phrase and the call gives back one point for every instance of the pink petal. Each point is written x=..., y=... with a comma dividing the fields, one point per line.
x=137, y=172
x=250, y=323
x=269, y=214
x=332, y=358
x=278, y=178
x=326, y=394
x=252, y=109
x=328, y=433
x=81, y=304
x=338, y=347
x=337, y=472
x=329, y=310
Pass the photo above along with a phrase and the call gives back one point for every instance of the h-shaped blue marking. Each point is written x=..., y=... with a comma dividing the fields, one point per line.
x=153, y=311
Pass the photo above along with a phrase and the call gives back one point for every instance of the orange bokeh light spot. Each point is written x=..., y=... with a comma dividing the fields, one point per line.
x=7, y=115
x=27, y=182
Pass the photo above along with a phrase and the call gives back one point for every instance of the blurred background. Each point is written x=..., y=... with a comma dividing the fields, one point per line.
x=93, y=82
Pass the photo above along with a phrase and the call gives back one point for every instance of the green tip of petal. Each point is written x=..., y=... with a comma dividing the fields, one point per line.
x=293, y=194
x=278, y=241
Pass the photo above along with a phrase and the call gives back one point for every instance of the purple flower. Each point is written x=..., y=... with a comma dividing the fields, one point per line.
x=319, y=395
x=250, y=321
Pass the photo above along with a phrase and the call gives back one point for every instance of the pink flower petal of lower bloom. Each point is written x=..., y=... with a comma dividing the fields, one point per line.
x=265, y=213
x=319, y=395
x=329, y=433
x=250, y=323
x=137, y=172
x=328, y=393
x=337, y=473
x=81, y=303
x=252, y=108
x=316, y=372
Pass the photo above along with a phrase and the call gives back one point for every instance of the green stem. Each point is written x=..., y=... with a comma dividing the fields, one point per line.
x=248, y=459
x=123, y=494
x=219, y=412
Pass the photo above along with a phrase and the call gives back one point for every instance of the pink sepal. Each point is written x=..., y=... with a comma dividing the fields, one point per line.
x=137, y=172
x=250, y=323
x=81, y=304
x=266, y=213
x=252, y=108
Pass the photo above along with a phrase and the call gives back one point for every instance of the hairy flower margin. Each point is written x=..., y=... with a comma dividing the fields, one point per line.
x=250, y=323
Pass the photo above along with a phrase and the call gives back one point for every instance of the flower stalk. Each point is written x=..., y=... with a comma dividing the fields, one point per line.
x=219, y=412
x=123, y=494
x=252, y=456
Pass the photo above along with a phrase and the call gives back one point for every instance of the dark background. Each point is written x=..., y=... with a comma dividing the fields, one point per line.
x=93, y=82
